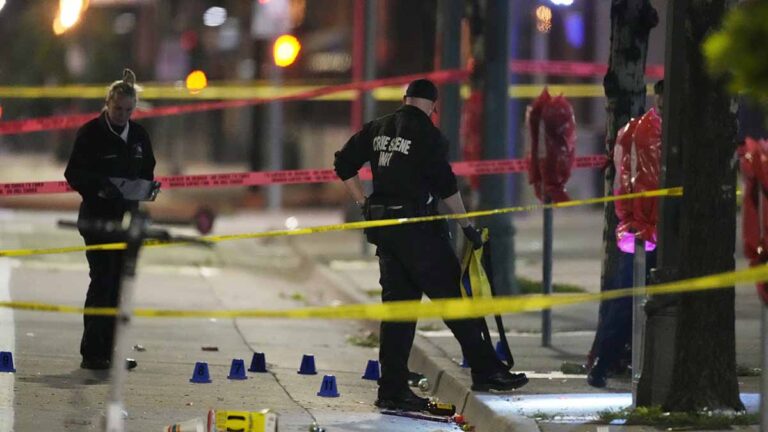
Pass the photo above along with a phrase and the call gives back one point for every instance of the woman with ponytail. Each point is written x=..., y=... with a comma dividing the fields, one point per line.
x=108, y=148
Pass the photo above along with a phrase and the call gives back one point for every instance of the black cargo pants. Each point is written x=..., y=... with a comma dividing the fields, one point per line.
x=103, y=291
x=416, y=259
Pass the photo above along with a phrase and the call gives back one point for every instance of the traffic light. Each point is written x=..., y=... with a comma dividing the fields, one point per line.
x=285, y=50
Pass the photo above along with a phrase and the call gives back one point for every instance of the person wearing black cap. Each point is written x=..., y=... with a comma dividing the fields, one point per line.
x=411, y=173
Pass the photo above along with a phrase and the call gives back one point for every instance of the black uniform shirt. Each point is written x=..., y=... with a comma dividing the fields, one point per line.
x=407, y=153
x=98, y=154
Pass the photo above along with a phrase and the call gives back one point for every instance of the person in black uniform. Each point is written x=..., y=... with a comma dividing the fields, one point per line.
x=411, y=173
x=110, y=145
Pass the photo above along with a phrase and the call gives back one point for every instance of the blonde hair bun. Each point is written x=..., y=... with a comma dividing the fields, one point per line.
x=129, y=77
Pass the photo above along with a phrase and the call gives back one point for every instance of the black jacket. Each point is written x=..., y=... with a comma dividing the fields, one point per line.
x=408, y=157
x=99, y=154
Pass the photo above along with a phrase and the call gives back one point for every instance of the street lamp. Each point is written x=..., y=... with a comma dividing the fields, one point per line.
x=196, y=81
x=285, y=50
x=68, y=14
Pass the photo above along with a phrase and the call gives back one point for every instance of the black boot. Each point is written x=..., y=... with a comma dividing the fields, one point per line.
x=498, y=381
x=405, y=400
x=598, y=375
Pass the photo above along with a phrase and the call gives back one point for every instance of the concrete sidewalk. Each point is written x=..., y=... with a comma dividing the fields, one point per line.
x=319, y=269
x=559, y=401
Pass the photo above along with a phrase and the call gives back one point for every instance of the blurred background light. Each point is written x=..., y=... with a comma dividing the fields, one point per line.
x=562, y=2
x=291, y=223
x=215, y=16
x=124, y=23
x=196, y=81
x=543, y=19
x=286, y=49
x=68, y=14
x=574, y=29
x=2, y=4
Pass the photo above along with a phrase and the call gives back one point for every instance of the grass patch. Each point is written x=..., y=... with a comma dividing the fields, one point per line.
x=528, y=286
x=366, y=340
x=655, y=416
x=544, y=417
x=297, y=296
x=373, y=292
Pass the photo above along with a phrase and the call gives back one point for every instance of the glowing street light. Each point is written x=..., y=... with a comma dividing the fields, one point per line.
x=285, y=50
x=196, y=81
x=68, y=14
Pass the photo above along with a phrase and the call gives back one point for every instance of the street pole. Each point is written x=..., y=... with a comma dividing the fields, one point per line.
x=369, y=68
x=494, y=189
x=275, y=121
x=449, y=31
x=638, y=315
x=662, y=311
x=115, y=416
x=363, y=68
x=546, y=276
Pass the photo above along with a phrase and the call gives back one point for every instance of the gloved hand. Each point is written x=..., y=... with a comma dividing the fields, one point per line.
x=363, y=207
x=474, y=235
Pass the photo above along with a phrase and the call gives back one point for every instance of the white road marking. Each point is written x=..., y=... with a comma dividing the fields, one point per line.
x=7, y=343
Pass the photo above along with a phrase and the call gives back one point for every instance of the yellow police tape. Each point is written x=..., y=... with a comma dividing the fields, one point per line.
x=678, y=191
x=225, y=92
x=454, y=308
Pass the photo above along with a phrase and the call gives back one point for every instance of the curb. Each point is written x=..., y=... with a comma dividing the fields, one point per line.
x=428, y=359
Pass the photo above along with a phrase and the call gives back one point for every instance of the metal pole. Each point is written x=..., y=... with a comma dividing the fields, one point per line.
x=494, y=189
x=638, y=315
x=360, y=59
x=546, y=279
x=449, y=34
x=275, y=121
x=115, y=417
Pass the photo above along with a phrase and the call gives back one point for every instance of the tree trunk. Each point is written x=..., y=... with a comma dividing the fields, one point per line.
x=704, y=371
x=624, y=83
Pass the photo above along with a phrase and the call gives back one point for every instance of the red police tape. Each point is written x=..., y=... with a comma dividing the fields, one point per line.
x=504, y=166
x=562, y=68
x=572, y=69
x=72, y=121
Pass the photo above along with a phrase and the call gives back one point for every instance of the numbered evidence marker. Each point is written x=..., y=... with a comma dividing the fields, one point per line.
x=200, y=375
x=237, y=370
x=6, y=362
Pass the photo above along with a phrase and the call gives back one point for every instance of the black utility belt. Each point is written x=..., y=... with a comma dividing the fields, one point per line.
x=375, y=211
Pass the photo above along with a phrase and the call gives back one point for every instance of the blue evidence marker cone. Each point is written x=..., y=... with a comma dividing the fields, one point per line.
x=371, y=371
x=308, y=365
x=328, y=387
x=6, y=362
x=237, y=370
x=258, y=363
x=500, y=354
x=200, y=374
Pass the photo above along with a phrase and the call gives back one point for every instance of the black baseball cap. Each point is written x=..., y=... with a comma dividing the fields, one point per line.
x=422, y=88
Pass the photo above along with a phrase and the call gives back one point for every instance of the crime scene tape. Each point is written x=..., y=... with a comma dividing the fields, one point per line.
x=678, y=191
x=251, y=95
x=76, y=120
x=454, y=308
x=263, y=89
x=464, y=168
